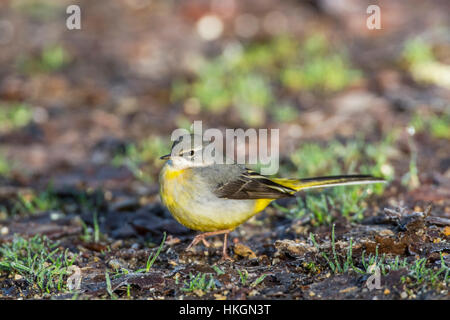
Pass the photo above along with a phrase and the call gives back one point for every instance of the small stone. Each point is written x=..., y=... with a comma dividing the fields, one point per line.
x=385, y=233
x=4, y=231
x=403, y=295
x=312, y=293
x=172, y=240
x=293, y=248
x=253, y=293
x=17, y=277
x=117, y=244
x=199, y=293
x=173, y=263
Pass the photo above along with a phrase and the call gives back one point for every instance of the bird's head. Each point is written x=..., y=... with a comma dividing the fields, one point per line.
x=189, y=151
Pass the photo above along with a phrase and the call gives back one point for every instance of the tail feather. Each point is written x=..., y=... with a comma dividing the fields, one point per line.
x=331, y=181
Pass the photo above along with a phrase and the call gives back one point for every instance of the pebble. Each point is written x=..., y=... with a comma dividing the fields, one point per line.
x=385, y=233
x=403, y=295
x=295, y=248
x=253, y=293
x=173, y=262
x=117, y=244
x=4, y=231
x=199, y=292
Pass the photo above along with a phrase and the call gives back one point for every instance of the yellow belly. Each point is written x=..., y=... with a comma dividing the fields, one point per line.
x=192, y=203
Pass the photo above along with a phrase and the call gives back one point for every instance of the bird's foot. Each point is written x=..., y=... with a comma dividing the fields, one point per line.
x=197, y=239
x=201, y=237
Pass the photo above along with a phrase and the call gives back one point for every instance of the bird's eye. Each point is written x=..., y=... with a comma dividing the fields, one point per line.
x=191, y=153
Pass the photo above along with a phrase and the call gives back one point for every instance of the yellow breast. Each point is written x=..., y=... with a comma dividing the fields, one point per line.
x=193, y=204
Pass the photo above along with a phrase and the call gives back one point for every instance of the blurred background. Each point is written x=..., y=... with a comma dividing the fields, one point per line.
x=86, y=114
x=94, y=108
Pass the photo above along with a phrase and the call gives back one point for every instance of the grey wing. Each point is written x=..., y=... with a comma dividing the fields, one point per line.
x=241, y=183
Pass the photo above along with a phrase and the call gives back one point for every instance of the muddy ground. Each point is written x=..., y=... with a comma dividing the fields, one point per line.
x=115, y=90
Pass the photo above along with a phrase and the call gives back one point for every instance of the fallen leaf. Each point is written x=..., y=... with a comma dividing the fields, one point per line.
x=243, y=251
x=349, y=289
x=447, y=231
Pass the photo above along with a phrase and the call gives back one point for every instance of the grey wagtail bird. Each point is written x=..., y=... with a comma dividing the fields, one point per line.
x=216, y=198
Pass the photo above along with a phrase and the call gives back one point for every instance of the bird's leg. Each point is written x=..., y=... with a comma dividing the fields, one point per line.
x=202, y=236
x=225, y=255
x=205, y=243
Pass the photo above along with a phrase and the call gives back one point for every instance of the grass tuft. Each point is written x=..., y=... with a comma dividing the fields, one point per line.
x=14, y=116
x=335, y=158
x=246, y=78
x=38, y=260
x=36, y=203
x=418, y=272
x=243, y=275
x=152, y=257
x=200, y=282
x=50, y=59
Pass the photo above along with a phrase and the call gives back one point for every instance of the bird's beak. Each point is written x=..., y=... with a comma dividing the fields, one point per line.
x=166, y=157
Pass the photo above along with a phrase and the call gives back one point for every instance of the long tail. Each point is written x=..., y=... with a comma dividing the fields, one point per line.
x=323, y=182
